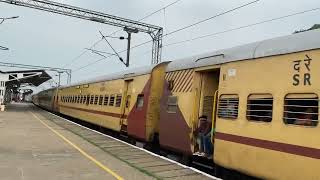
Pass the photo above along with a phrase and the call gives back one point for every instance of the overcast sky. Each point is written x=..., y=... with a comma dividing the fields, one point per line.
x=42, y=38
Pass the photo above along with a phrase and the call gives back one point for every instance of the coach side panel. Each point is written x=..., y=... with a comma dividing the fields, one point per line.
x=256, y=102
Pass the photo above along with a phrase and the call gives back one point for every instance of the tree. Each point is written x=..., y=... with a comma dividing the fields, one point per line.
x=315, y=26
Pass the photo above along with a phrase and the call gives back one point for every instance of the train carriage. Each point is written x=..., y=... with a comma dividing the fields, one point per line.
x=263, y=102
x=45, y=99
x=188, y=93
x=256, y=96
x=262, y=99
x=126, y=101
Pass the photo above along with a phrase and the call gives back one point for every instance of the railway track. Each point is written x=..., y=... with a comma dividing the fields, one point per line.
x=145, y=161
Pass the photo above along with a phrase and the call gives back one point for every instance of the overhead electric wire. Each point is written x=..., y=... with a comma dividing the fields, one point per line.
x=242, y=27
x=115, y=52
x=106, y=57
x=212, y=17
x=80, y=55
x=165, y=7
x=97, y=42
x=201, y=21
x=89, y=64
x=177, y=30
x=145, y=17
x=237, y=28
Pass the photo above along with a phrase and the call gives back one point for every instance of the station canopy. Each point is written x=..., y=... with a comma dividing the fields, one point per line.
x=17, y=79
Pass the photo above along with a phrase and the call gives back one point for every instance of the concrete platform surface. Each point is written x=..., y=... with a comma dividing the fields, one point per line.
x=30, y=150
x=38, y=145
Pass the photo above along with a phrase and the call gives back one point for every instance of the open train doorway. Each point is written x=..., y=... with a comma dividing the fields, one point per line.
x=209, y=84
x=207, y=98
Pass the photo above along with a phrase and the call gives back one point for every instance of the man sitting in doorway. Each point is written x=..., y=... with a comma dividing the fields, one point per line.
x=203, y=133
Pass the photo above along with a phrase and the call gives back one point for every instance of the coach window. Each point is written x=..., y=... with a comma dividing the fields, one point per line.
x=106, y=99
x=118, y=100
x=172, y=104
x=91, y=99
x=140, y=101
x=228, y=106
x=96, y=98
x=88, y=100
x=301, y=109
x=111, y=100
x=100, y=100
x=259, y=107
x=81, y=99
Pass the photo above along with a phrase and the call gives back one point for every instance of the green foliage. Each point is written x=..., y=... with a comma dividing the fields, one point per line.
x=316, y=26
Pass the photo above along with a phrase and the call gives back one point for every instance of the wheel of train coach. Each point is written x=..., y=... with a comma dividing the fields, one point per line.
x=261, y=101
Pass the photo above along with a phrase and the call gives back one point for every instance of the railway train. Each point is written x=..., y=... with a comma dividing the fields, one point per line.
x=262, y=98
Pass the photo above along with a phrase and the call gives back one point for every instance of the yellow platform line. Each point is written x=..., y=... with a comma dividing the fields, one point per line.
x=80, y=150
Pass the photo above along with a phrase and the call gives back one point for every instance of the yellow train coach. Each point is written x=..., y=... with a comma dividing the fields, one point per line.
x=262, y=100
x=125, y=101
x=268, y=109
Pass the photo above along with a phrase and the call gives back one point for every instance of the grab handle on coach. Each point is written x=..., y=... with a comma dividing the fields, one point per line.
x=214, y=115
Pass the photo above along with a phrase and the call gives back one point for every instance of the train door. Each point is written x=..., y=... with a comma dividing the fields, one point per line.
x=125, y=106
x=52, y=104
x=208, y=92
x=208, y=86
x=56, y=100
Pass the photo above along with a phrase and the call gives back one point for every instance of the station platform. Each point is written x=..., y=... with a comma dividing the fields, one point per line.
x=37, y=145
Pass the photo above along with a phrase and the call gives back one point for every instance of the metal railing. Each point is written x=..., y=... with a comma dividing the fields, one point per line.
x=228, y=108
x=301, y=111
